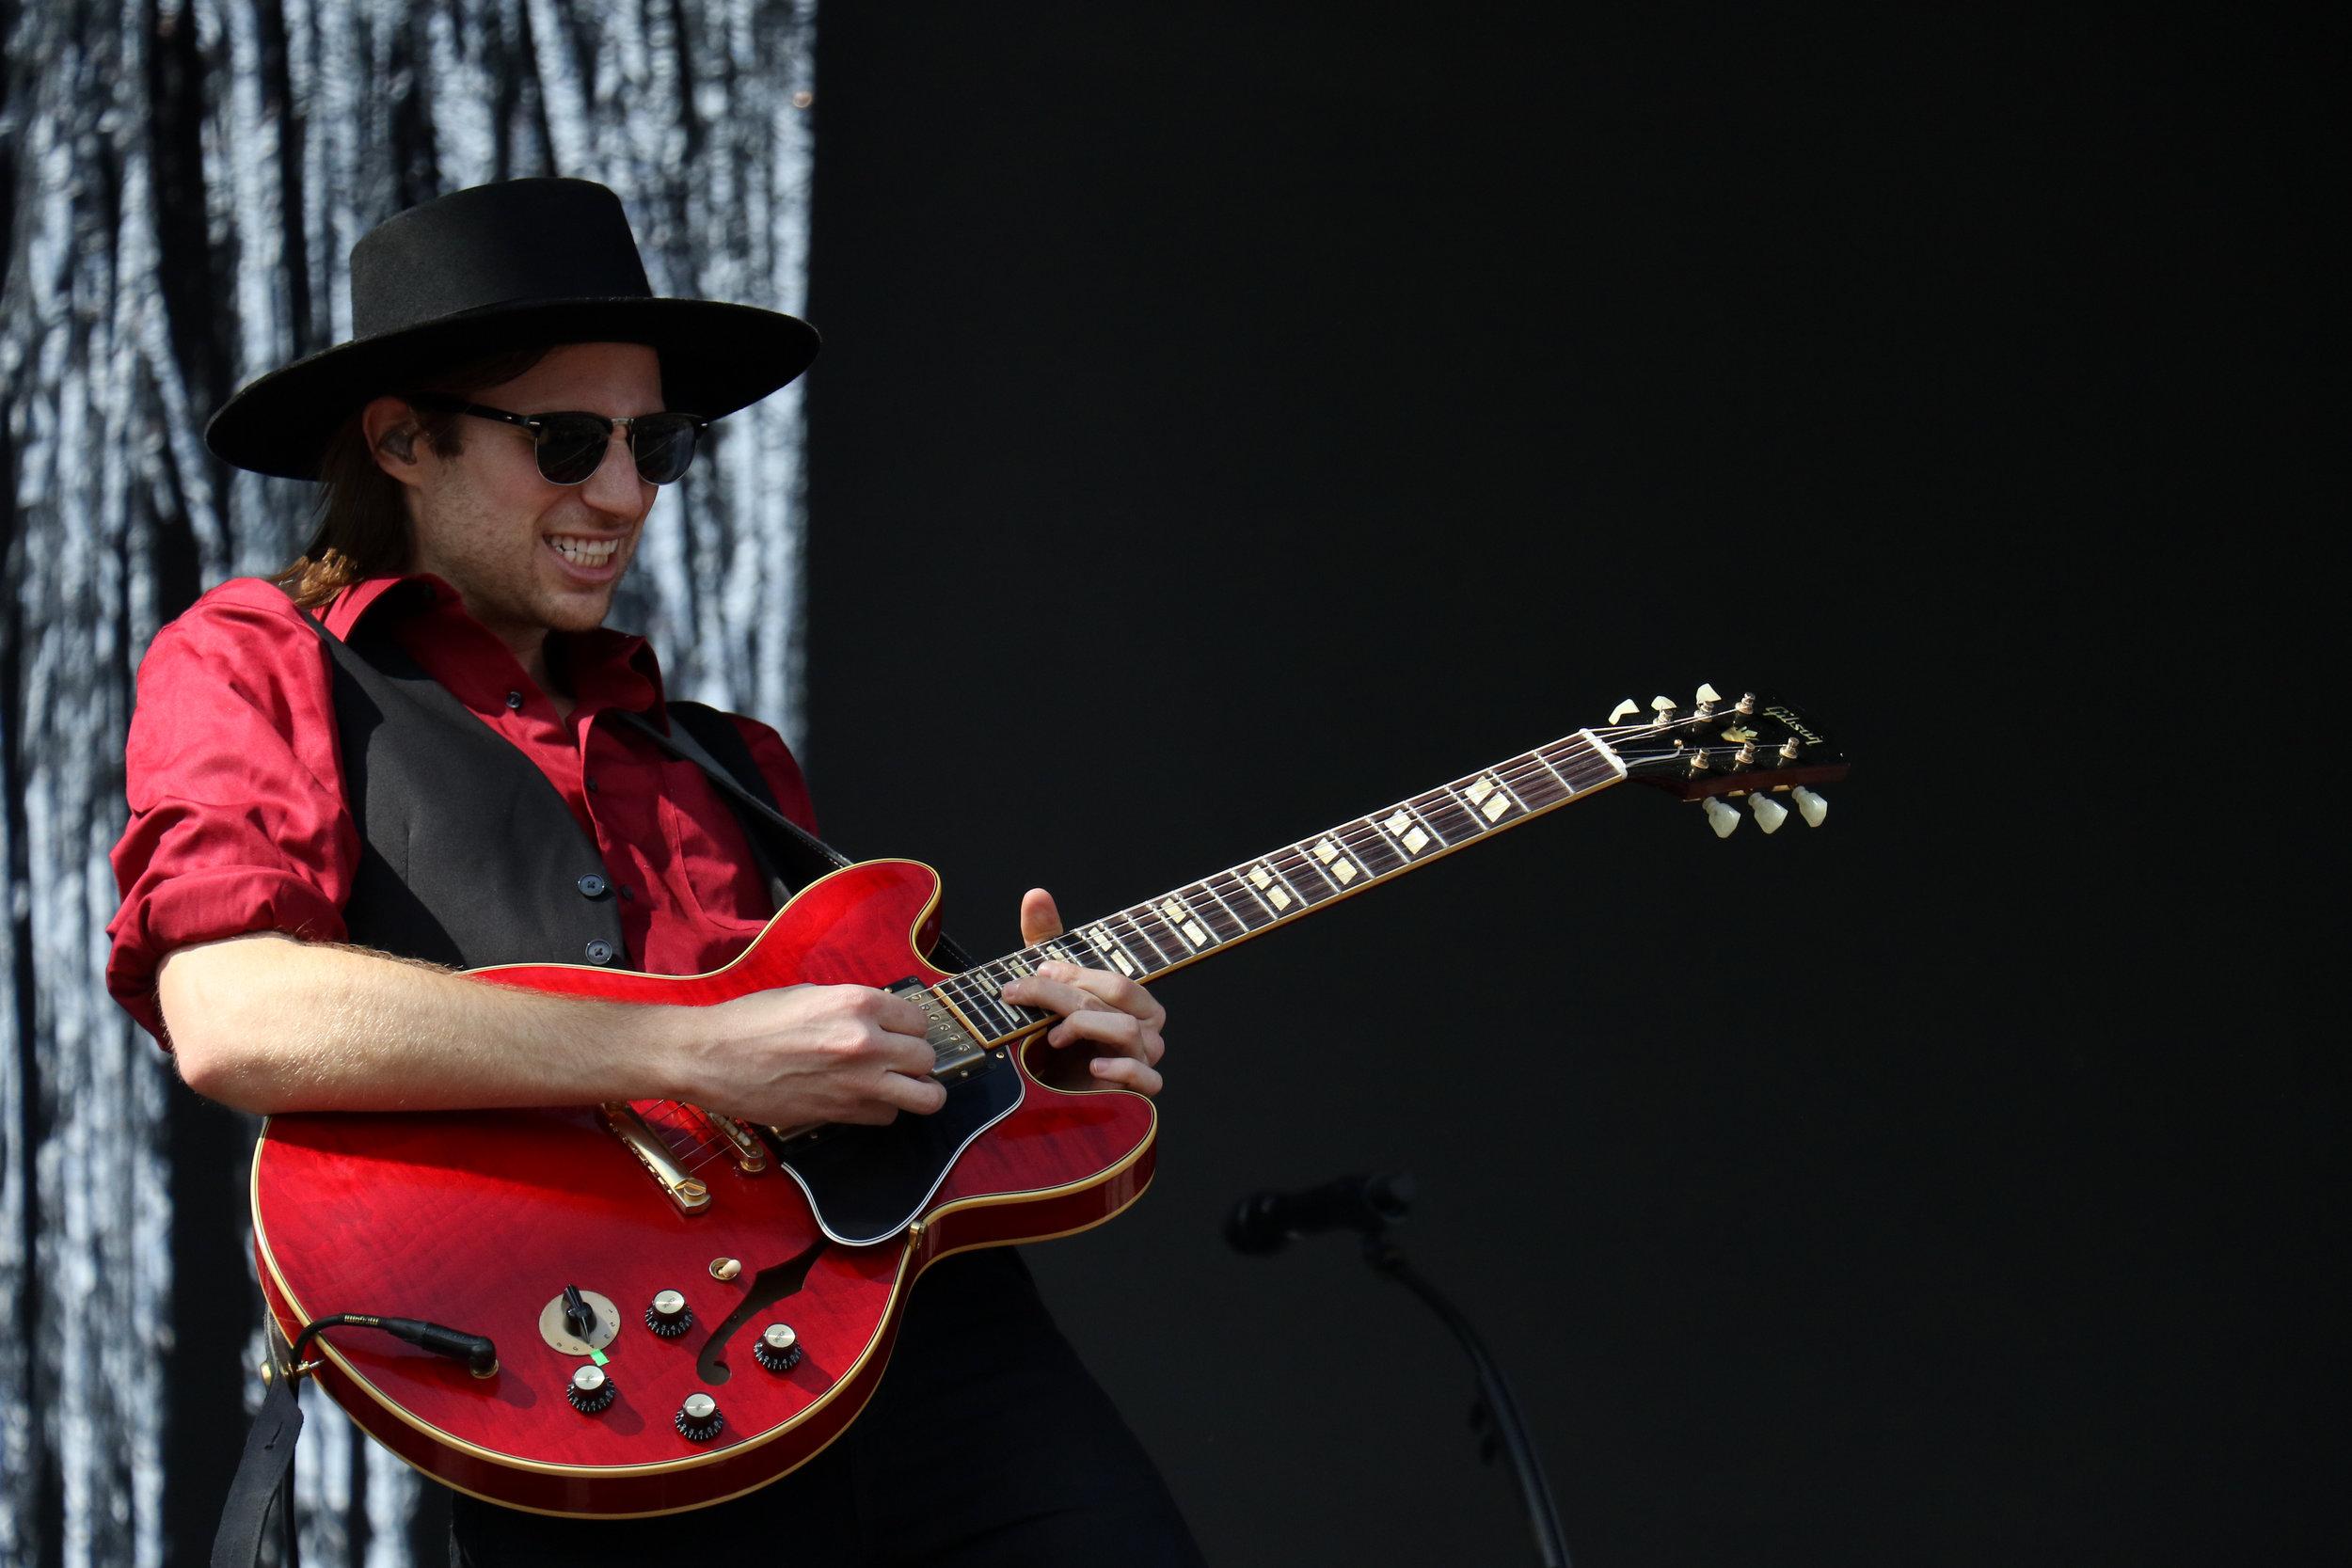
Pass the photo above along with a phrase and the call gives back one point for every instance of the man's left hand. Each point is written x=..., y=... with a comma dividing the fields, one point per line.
x=1107, y=1011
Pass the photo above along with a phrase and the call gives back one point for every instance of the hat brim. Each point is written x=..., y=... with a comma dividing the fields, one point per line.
x=716, y=359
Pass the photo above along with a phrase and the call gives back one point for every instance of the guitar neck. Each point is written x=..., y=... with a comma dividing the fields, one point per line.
x=1185, y=925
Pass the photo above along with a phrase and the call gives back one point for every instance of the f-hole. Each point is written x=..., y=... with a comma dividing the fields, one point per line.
x=769, y=1286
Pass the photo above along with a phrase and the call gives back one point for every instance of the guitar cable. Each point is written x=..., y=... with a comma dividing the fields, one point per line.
x=264, y=1484
x=476, y=1351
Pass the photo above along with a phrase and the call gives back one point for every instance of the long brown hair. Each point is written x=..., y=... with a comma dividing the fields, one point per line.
x=361, y=526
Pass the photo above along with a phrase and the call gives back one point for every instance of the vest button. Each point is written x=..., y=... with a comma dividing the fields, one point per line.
x=599, y=952
x=592, y=886
x=514, y=698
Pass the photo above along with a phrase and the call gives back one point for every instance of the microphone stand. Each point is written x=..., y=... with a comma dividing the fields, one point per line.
x=1383, y=1257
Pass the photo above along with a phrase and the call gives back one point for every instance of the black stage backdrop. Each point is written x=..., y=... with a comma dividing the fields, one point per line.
x=1231, y=422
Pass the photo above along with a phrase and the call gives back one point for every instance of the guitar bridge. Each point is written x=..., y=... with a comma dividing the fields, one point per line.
x=689, y=1192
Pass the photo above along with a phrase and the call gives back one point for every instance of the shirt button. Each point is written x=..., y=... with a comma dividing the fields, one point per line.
x=592, y=886
x=599, y=952
x=514, y=698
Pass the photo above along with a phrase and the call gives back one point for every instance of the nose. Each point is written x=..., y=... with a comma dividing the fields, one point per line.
x=614, y=488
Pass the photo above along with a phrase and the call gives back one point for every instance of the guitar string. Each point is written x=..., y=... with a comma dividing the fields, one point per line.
x=1513, y=775
x=1532, y=767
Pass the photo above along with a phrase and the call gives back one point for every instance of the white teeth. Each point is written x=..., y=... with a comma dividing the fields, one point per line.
x=586, y=552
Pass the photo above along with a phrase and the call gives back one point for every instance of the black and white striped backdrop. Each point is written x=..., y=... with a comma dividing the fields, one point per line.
x=181, y=181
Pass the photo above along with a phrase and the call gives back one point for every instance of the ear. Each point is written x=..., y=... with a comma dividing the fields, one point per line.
x=390, y=426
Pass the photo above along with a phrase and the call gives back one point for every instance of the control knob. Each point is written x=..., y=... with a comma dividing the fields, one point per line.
x=698, y=1419
x=590, y=1390
x=669, y=1316
x=778, y=1349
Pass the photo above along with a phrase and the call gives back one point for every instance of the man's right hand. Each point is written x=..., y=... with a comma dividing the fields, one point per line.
x=813, y=1053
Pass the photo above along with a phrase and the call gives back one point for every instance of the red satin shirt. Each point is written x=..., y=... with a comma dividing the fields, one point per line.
x=238, y=820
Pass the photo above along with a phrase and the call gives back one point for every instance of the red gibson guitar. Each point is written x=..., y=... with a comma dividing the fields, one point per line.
x=676, y=1308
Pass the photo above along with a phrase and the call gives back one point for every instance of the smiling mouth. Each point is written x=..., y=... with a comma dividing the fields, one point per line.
x=585, y=552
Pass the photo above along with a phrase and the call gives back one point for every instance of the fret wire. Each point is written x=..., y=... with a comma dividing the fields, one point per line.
x=1449, y=806
x=999, y=1013
x=1412, y=805
x=1274, y=867
x=1174, y=943
x=1390, y=850
x=1136, y=951
x=1307, y=862
x=1105, y=926
x=1217, y=926
x=1563, y=770
x=1239, y=877
x=1159, y=954
x=1207, y=885
x=1240, y=887
x=1205, y=913
x=1007, y=1014
x=1192, y=918
x=1539, y=756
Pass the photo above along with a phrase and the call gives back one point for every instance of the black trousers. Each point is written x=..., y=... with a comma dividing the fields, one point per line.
x=987, y=1446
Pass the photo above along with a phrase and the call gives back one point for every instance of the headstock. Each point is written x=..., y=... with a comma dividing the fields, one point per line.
x=1755, y=748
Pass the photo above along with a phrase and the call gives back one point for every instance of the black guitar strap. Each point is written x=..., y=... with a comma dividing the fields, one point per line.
x=807, y=854
x=262, y=1478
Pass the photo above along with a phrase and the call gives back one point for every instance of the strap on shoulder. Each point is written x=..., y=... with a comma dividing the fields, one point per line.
x=810, y=854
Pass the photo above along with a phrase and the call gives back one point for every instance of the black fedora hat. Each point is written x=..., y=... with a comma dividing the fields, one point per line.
x=521, y=263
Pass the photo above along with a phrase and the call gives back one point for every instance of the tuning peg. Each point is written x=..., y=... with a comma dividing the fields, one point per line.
x=1709, y=694
x=1721, y=818
x=1769, y=814
x=1663, y=707
x=1623, y=710
x=1812, y=806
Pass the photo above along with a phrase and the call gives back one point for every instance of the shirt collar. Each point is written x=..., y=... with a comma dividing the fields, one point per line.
x=605, y=668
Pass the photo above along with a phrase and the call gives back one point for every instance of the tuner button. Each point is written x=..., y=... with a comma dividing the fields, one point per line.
x=1661, y=706
x=1769, y=814
x=1812, y=806
x=1709, y=694
x=698, y=1419
x=590, y=1390
x=1626, y=710
x=669, y=1316
x=1721, y=818
x=778, y=1349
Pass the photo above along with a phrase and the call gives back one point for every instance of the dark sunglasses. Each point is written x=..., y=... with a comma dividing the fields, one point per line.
x=570, y=446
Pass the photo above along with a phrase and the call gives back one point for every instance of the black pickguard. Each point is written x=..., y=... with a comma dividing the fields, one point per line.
x=867, y=1183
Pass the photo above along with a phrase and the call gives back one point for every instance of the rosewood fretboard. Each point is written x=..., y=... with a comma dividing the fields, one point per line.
x=1189, y=922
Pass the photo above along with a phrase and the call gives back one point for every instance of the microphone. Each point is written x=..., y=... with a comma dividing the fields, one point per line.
x=1265, y=1223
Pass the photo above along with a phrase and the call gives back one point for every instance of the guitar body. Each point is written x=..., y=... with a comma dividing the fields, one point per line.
x=478, y=1220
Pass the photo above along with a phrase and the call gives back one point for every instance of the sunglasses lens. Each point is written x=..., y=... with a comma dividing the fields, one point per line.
x=571, y=445
x=664, y=445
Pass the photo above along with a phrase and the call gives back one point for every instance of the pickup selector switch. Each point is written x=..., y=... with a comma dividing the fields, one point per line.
x=698, y=1419
x=778, y=1349
x=669, y=1316
x=590, y=1390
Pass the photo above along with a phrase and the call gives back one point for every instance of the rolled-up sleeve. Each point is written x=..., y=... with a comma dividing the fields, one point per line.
x=233, y=776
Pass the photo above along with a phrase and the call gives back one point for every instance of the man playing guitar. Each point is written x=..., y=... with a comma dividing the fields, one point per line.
x=314, y=850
